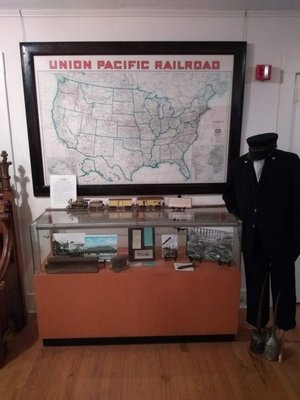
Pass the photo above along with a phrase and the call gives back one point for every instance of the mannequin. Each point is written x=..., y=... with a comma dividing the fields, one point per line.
x=263, y=190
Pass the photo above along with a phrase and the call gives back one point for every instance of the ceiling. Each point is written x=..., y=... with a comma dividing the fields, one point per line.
x=151, y=4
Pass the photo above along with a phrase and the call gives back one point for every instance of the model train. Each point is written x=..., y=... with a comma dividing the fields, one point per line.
x=150, y=202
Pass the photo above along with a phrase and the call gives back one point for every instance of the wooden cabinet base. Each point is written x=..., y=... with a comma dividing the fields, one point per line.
x=139, y=302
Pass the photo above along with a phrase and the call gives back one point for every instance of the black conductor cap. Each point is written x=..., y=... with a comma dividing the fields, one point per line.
x=260, y=146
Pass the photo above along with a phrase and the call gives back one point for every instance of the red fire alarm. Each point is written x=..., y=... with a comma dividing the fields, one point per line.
x=263, y=72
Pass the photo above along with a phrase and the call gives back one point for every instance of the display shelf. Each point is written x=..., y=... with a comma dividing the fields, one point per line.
x=150, y=298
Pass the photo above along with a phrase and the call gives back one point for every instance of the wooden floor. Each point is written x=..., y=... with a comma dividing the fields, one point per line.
x=174, y=371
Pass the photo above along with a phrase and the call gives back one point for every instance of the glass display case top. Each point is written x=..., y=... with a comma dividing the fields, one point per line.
x=209, y=216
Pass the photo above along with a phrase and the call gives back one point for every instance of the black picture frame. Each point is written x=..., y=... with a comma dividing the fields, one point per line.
x=141, y=244
x=30, y=50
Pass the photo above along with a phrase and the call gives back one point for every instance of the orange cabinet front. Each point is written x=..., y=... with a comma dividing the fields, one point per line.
x=139, y=302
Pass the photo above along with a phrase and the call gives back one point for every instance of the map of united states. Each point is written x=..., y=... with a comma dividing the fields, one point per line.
x=125, y=128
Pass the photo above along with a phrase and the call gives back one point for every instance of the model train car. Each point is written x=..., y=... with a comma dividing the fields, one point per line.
x=120, y=203
x=77, y=204
x=180, y=202
x=96, y=205
x=150, y=202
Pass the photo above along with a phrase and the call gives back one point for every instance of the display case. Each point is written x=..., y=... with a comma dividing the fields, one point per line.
x=180, y=274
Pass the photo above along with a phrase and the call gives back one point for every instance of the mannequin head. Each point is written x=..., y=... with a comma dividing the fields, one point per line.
x=262, y=145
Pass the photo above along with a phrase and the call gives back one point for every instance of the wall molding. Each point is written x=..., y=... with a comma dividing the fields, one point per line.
x=165, y=13
x=273, y=13
x=9, y=13
x=138, y=13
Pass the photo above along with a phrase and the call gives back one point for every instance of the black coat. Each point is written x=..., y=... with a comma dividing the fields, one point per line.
x=270, y=207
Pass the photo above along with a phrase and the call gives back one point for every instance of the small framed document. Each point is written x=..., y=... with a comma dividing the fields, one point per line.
x=141, y=244
x=62, y=190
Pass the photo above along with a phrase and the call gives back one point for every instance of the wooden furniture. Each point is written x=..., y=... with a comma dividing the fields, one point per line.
x=149, y=300
x=139, y=302
x=12, y=311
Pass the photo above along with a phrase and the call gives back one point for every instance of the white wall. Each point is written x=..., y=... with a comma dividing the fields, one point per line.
x=269, y=35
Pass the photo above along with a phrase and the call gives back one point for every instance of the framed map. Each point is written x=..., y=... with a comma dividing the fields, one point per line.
x=132, y=118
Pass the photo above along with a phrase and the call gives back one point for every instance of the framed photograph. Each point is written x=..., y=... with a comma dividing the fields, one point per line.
x=103, y=246
x=210, y=243
x=68, y=244
x=141, y=244
x=80, y=244
x=132, y=118
x=169, y=246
